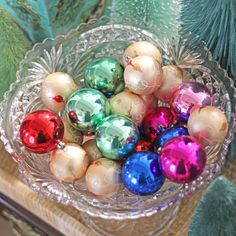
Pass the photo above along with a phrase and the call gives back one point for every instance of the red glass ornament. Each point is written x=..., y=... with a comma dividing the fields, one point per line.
x=155, y=122
x=144, y=146
x=182, y=159
x=41, y=131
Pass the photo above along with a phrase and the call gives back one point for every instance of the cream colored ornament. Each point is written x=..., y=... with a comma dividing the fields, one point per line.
x=71, y=135
x=150, y=100
x=69, y=164
x=92, y=150
x=208, y=124
x=172, y=77
x=103, y=177
x=130, y=105
x=141, y=48
x=56, y=89
x=143, y=75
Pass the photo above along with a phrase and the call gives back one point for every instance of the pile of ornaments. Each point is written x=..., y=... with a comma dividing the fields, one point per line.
x=112, y=131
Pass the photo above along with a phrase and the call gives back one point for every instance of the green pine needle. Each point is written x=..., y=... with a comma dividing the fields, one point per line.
x=215, y=214
x=13, y=46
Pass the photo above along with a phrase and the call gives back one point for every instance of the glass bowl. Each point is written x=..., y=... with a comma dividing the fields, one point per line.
x=71, y=53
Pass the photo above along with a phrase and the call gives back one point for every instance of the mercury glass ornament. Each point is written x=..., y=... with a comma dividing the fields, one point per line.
x=56, y=89
x=92, y=150
x=70, y=163
x=71, y=135
x=141, y=173
x=106, y=75
x=130, y=105
x=116, y=137
x=182, y=159
x=103, y=177
x=188, y=95
x=86, y=108
x=141, y=48
x=143, y=75
x=208, y=124
x=172, y=77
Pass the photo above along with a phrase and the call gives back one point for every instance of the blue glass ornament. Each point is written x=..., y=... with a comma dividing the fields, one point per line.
x=169, y=134
x=141, y=173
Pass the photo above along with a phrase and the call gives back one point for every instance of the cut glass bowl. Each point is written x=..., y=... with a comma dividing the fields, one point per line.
x=71, y=53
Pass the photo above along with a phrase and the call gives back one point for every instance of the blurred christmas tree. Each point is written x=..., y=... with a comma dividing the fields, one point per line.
x=215, y=214
x=14, y=44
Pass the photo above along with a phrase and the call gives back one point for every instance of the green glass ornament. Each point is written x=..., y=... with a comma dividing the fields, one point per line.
x=116, y=137
x=86, y=108
x=106, y=75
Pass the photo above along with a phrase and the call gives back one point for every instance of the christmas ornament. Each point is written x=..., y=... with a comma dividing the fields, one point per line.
x=208, y=125
x=141, y=173
x=70, y=163
x=189, y=95
x=103, y=177
x=116, y=137
x=56, y=89
x=130, y=105
x=172, y=77
x=41, y=131
x=182, y=159
x=106, y=75
x=169, y=134
x=150, y=100
x=155, y=122
x=141, y=48
x=71, y=135
x=92, y=150
x=86, y=108
x=144, y=146
x=143, y=75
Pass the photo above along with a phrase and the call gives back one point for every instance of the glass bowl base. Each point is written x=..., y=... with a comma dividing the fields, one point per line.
x=149, y=226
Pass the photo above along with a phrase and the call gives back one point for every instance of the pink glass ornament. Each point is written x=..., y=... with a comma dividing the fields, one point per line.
x=208, y=124
x=182, y=159
x=156, y=121
x=188, y=95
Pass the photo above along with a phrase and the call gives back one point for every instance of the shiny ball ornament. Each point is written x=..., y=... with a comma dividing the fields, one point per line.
x=169, y=134
x=69, y=164
x=144, y=146
x=130, y=105
x=86, y=108
x=143, y=75
x=141, y=48
x=56, y=89
x=106, y=75
x=92, y=150
x=156, y=122
x=116, y=137
x=71, y=135
x=172, y=77
x=182, y=159
x=141, y=173
x=41, y=131
x=190, y=95
x=103, y=177
x=208, y=125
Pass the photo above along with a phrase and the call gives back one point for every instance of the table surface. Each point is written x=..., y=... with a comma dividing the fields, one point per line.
x=66, y=219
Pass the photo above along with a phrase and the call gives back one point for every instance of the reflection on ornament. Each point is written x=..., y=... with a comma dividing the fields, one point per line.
x=182, y=159
x=56, y=89
x=86, y=108
x=70, y=163
x=141, y=48
x=141, y=173
x=41, y=131
x=144, y=146
x=143, y=75
x=106, y=75
x=116, y=137
x=103, y=177
x=208, y=125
